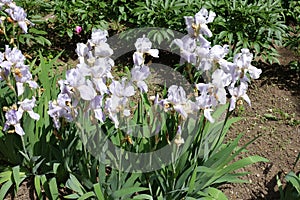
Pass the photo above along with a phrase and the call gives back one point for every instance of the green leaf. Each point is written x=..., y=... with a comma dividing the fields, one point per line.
x=53, y=188
x=183, y=177
x=37, y=186
x=192, y=182
x=131, y=180
x=242, y=163
x=270, y=117
x=98, y=191
x=256, y=47
x=38, y=32
x=143, y=197
x=75, y=185
x=279, y=184
x=4, y=188
x=70, y=32
x=72, y=196
x=5, y=176
x=215, y=193
x=294, y=180
x=127, y=191
x=55, y=167
x=16, y=176
x=159, y=37
x=86, y=196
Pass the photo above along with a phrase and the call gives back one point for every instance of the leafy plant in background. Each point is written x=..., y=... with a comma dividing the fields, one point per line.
x=87, y=14
x=292, y=41
x=164, y=14
x=257, y=25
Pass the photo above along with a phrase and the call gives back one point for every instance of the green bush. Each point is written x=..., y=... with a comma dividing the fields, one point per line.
x=257, y=25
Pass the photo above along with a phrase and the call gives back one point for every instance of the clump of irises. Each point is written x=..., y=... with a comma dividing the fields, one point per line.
x=92, y=80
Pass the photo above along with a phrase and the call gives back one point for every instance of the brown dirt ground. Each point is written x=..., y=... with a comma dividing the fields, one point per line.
x=275, y=116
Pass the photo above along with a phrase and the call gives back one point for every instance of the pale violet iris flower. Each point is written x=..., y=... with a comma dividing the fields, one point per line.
x=82, y=51
x=78, y=82
x=143, y=46
x=97, y=106
x=22, y=75
x=98, y=36
x=238, y=92
x=214, y=93
x=243, y=65
x=138, y=75
x=117, y=103
x=18, y=14
x=13, y=118
x=27, y=105
x=103, y=50
x=178, y=99
x=14, y=115
x=211, y=57
x=13, y=61
x=100, y=72
x=198, y=24
x=187, y=47
x=61, y=108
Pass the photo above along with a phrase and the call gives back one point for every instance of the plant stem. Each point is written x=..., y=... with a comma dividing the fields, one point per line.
x=189, y=71
x=222, y=129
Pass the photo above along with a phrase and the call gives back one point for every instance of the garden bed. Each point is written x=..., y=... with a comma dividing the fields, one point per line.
x=274, y=116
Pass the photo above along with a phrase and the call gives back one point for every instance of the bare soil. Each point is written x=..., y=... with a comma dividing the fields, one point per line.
x=274, y=116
